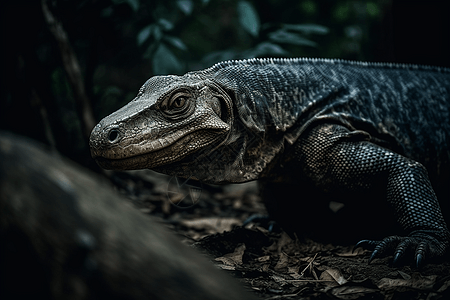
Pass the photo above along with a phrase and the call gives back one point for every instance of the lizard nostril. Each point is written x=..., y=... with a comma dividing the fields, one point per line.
x=113, y=135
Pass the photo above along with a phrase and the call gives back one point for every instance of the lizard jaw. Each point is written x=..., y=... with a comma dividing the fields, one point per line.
x=160, y=157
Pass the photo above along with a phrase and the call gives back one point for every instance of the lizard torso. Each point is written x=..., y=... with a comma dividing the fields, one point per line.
x=405, y=107
x=234, y=121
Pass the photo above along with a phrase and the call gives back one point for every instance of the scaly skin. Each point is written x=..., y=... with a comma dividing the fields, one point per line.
x=349, y=128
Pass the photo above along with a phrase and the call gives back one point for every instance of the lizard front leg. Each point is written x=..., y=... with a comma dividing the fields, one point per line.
x=338, y=160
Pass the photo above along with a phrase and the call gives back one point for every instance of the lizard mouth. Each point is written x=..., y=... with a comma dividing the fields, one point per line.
x=129, y=163
x=161, y=157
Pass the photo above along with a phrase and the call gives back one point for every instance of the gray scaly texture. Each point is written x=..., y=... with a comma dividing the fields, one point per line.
x=351, y=166
x=349, y=128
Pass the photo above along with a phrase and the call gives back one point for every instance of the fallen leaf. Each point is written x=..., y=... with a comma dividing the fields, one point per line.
x=279, y=279
x=235, y=258
x=334, y=275
x=347, y=292
x=284, y=240
x=263, y=258
x=282, y=263
x=404, y=275
x=444, y=287
x=265, y=268
x=293, y=272
x=417, y=281
x=226, y=261
x=212, y=224
x=226, y=267
x=353, y=252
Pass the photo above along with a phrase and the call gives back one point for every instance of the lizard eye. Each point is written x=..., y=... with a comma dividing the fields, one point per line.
x=178, y=102
x=178, y=105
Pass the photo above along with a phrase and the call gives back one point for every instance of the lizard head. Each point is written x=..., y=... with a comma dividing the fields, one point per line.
x=172, y=119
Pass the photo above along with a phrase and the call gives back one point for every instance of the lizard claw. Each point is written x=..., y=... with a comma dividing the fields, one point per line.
x=400, y=251
x=384, y=247
x=256, y=218
x=421, y=250
x=419, y=260
x=264, y=220
x=372, y=257
x=420, y=243
x=378, y=247
x=366, y=244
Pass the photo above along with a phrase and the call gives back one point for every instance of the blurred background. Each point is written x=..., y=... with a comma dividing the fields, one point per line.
x=66, y=64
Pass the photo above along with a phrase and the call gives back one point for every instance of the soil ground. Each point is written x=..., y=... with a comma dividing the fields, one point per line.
x=271, y=263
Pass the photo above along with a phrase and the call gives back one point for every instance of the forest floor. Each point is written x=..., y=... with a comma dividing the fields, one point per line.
x=271, y=263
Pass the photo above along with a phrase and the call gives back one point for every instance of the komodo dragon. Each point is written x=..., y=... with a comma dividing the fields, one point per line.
x=362, y=133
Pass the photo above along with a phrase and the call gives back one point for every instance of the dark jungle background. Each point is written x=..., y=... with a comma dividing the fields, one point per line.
x=65, y=64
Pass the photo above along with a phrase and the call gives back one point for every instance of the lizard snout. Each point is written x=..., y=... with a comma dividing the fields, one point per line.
x=103, y=137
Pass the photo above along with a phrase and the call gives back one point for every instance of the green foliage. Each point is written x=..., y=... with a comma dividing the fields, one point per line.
x=248, y=17
x=309, y=7
x=160, y=43
x=134, y=4
x=164, y=61
x=342, y=12
x=294, y=34
x=162, y=40
x=373, y=9
x=186, y=6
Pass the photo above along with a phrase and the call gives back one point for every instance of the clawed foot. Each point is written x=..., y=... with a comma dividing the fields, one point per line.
x=264, y=220
x=420, y=245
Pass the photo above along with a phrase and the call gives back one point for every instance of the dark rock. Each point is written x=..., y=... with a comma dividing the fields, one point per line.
x=64, y=234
